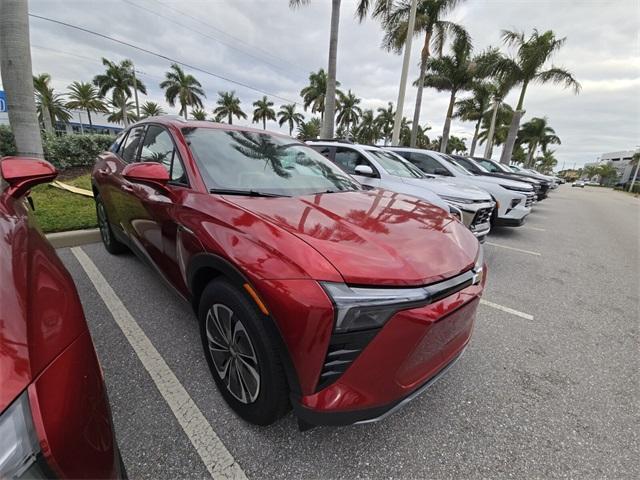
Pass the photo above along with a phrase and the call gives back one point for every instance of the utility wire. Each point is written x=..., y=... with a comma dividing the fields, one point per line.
x=211, y=37
x=235, y=39
x=164, y=57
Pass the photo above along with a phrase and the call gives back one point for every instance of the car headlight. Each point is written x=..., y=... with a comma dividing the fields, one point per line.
x=517, y=189
x=19, y=446
x=365, y=308
x=478, y=268
x=456, y=212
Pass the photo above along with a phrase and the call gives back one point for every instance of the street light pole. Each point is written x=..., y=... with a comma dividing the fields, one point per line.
x=635, y=175
x=405, y=70
x=135, y=91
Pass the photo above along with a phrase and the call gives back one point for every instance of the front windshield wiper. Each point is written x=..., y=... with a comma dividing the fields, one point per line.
x=247, y=193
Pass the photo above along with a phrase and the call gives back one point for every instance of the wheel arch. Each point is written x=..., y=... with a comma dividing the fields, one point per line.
x=205, y=267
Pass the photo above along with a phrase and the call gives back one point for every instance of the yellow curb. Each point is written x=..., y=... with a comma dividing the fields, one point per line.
x=71, y=188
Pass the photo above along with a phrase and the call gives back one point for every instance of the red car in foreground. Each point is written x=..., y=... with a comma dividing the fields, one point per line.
x=310, y=290
x=55, y=419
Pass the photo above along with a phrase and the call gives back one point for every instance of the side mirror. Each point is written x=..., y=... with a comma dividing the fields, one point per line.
x=146, y=172
x=24, y=173
x=364, y=170
x=441, y=171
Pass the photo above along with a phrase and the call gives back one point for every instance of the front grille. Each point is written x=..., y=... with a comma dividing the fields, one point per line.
x=344, y=348
x=530, y=199
x=482, y=216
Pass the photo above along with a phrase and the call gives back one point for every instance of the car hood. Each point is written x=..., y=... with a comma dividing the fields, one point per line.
x=417, y=189
x=449, y=189
x=504, y=181
x=40, y=313
x=374, y=237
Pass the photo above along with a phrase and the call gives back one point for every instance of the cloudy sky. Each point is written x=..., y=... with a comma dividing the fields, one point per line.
x=266, y=45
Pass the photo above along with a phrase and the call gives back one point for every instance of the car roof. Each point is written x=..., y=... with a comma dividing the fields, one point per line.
x=179, y=122
x=338, y=143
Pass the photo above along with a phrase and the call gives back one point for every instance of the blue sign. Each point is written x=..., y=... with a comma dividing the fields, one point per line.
x=3, y=102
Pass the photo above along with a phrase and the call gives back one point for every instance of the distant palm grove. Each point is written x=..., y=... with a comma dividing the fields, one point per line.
x=475, y=82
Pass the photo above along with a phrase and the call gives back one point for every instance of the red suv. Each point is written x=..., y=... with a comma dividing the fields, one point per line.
x=55, y=419
x=310, y=290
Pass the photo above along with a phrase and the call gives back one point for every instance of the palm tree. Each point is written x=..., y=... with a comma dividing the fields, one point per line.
x=314, y=94
x=368, y=130
x=429, y=14
x=183, y=87
x=119, y=79
x=537, y=132
x=199, y=114
x=50, y=106
x=122, y=111
x=607, y=171
x=495, y=125
x=456, y=145
x=288, y=114
x=15, y=67
x=472, y=109
x=455, y=73
x=385, y=119
x=151, y=109
x=362, y=10
x=229, y=107
x=84, y=96
x=527, y=67
x=500, y=87
x=546, y=162
x=309, y=130
x=348, y=110
x=263, y=111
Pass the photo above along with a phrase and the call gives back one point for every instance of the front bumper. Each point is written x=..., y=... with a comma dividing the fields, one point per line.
x=412, y=350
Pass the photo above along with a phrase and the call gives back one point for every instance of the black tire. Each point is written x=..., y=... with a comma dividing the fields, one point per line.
x=265, y=404
x=110, y=242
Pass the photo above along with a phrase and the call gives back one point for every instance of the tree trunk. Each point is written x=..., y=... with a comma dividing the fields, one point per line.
x=264, y=123
x=488, y=150
x=230, y=118
x=290, y=128
x=423, y=72
x=532, y=151
x=123, y=112
x=475, y=138
x=47, y=119
x=447, y=123
x=90, y=123
x=330, y=98
x=184, y=110
x=15, y=66
x=507, y=150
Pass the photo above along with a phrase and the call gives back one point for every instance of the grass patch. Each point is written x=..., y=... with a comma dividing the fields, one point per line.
x=59, y=211
x=83, y=181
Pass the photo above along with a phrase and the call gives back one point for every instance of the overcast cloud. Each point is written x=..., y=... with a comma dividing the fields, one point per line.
x=265, y=44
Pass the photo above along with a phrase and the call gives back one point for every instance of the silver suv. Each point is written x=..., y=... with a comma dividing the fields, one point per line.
x=376, y=167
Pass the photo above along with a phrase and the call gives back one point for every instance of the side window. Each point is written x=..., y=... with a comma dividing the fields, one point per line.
x=348, y=160
x=129, y=148
x=467, y=164
x=115, y=146
x=158, y=147
x=427, y=164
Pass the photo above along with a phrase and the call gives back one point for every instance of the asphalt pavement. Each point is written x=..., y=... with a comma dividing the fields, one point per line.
x=548, y=387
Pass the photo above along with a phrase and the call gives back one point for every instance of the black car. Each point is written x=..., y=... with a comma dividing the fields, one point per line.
x=484, y=166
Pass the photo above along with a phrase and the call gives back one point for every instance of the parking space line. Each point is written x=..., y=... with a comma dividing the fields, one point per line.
x=527, y=227
x=219, y=462
x=513, y=248
x=526, y=316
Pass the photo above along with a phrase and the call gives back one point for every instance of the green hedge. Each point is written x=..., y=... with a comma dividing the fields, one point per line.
x=62, y=151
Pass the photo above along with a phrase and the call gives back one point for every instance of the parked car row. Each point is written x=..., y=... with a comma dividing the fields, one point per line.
x=339, y=280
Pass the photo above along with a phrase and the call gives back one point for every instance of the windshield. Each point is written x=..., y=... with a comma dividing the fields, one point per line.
x=456, y=166
x=470, y=164
x=260, y=163
x=394, y=165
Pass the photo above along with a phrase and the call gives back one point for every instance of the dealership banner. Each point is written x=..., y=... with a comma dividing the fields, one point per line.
x=3, y=102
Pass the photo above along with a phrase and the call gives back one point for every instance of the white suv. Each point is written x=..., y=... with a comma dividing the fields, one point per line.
x=376, y=167
x=513, y=199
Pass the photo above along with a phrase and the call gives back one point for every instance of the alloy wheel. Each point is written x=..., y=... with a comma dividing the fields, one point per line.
x=103, y=223
x=232, y=352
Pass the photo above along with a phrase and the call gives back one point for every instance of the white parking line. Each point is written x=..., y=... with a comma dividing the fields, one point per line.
x=212, y=451
x=527, y=227
x=513, y=248
x=526, y=316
